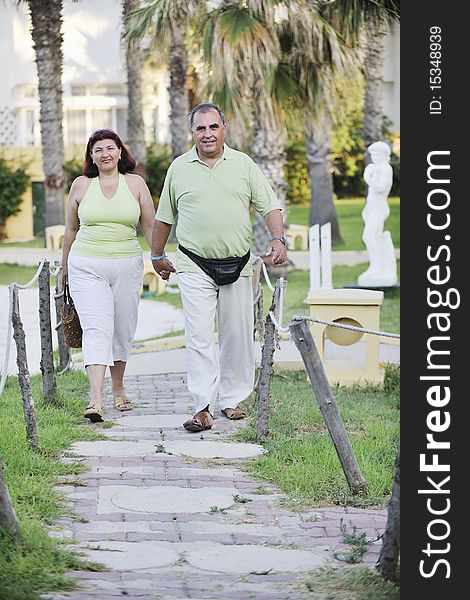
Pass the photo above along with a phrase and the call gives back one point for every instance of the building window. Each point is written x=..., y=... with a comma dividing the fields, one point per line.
x=76, y=127
x=101, y=119
x=121, y=122
x=78, y=90
x=30, y=125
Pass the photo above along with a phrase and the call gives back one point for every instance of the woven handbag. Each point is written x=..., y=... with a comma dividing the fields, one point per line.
x=70, y=321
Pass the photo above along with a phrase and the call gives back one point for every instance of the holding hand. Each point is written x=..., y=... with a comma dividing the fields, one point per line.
x=278, y=251
x=163, y=266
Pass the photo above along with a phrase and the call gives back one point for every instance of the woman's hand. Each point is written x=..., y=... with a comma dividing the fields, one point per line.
x=65, y=275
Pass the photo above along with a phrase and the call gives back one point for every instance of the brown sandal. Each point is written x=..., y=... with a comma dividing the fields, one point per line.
x=201, y=421
x=94, y=413
x=234, y=413
x=122, y=403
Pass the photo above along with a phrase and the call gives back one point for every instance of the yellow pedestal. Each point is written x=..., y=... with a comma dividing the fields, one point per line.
x=297, y=237
x=151, y=282
x=356, y=307
x=54, y=236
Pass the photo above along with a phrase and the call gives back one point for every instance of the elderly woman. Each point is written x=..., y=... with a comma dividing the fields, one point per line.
x=102, y=261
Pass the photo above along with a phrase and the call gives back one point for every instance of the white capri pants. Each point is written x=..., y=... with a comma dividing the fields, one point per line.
x=106, y=294
x=226, y=376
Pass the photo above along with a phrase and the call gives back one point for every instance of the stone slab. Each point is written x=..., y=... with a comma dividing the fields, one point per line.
x=163, y=499
x=204, y=449
x=247, y=558
x=153, y=421
x=109, y=448
x=131, y=556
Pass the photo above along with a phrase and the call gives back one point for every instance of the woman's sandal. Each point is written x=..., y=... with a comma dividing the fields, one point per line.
x=94, y=412
x=122, y=403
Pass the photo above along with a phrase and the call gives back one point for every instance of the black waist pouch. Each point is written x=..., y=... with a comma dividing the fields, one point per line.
x=222, y=270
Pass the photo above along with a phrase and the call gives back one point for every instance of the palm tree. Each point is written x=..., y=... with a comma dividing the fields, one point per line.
x=135, y=119
x=46, y=19
x=279, y=60
x=371, y=19
x=241, y=46
x=167, y=22
x=316, y=55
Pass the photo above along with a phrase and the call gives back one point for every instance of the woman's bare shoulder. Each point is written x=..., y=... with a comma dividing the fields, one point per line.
x=79, y=187
x=134, y=179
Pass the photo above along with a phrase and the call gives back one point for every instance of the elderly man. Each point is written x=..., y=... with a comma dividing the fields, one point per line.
x=210, y=189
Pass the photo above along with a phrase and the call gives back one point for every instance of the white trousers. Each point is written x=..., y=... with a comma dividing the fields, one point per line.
x=226, y=376
x=106, y=294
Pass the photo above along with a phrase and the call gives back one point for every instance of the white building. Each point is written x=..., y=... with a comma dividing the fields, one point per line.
x=94, y=77
x=391, y=96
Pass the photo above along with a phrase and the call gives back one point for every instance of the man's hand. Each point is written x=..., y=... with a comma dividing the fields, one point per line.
x=278, y=251
x=163, y=267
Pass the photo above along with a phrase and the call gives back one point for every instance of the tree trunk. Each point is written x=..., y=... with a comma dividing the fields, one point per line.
x=327, y=404
x=373, y=75
x=266, y=371
x=322, y=208
x=135, y=119
x=47, y=358
x=268, y=152
x=23, y=375
x=46, y=18
x=178, y=91
x=8, y=521
x=388, y=559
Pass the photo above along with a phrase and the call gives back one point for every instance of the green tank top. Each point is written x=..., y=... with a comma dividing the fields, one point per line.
x=107, y=225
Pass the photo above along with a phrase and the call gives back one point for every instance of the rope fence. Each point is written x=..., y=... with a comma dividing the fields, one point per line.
x=301, y=335
x=13, y=288
x=277, y=319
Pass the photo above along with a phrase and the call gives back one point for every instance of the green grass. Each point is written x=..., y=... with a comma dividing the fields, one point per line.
x=38, y=242
x=353, y=583
x=10, y=273
x=350, y=221
x=37, y=563
x=298, y=285
x=301, y=458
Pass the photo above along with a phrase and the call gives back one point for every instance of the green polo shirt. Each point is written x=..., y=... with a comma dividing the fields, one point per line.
x=213, y=205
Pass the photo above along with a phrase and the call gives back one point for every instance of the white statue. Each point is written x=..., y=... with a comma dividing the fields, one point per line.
x=378, y=175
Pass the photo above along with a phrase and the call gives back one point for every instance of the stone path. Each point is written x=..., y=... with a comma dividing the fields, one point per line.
x=172, y=515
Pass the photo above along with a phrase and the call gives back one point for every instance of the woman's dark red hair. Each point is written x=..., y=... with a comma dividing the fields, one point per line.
x=126, y=163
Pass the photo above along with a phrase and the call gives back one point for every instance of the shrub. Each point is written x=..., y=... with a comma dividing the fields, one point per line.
x=73, y=168
x=14, y=182
x=158, y=161
x=296, y=171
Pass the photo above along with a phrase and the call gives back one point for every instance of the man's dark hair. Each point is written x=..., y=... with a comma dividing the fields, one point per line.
x=204, y=108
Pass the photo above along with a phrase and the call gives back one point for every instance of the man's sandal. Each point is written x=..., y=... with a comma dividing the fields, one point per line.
x=201, y=421
x=94, y=412
x=234, y=413
x=122, y=403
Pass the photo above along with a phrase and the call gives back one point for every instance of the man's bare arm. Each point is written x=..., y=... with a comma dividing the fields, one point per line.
x=160, y=234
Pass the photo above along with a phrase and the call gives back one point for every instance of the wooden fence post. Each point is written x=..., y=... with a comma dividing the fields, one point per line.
x=327, y=404
x=23, y=374
x=266, y=369
x=64, y=350
x=47, y=357
x=8, y=520
x=388, y=559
